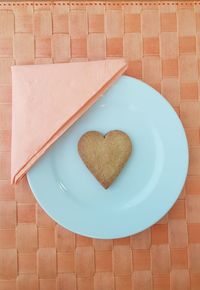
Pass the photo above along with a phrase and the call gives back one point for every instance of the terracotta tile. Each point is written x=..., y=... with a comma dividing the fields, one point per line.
x=6, y=23
x=103, y=261
x=195, y=281
x=42, y=23
x=194, y=165
x=23, y=22
x=6, y=46
x=159, y=234
x=43, y=220
x=188, y=68
x=193, y=256
x=194, y=233
x=84, y=261
x=122, y=241
x=186, y=22
x=5, y=71
x=151, y=46
x=114, y=23
x=42, y=60
x=192, y=208
x=96, y=23
x=103, y=281
x=46, y=264
x=48, y=284
x=142, y=280
x=23, y=193
x=26, y=213
x=190, y=114
x=25, y=55
x=150, y=23
x=179, y=258
x=43, y=47
x=7, y=239
x=132, y=22
x=142, y=240
x=189, y=91
x=178, y=234
x=27, y=282
x=8, y=284
x=170, y=90
x=61, y=47
x=60, y=23
x=66, y=281
x=78, y=24
x=123, y=282
x=122, y=260
x=7, y=214
x=46, y=237
x=178, y=210
x=170, y=68
x=5, y=116
x=96, y=46
x=114, y=47
x=85, y=283
x=187, y=44
x=134, y=69
x=163, y=220
x=7, y=192
x=26, y=237
x=193, y=137
x=65, y=240
x=5, y=166
x=180, y=280
x=5, y=94
x=168, y=45
x=65, y=262
x=160, y=259
x=8, y=264
x=132, y=46
x=27, y=263
x=82, y=241
x=168, y=22
x=79, y=48
x=141, y=260
x=193, y=185
x=161, y=282
x=102, y=245
x=5, y=140
x=151, y=69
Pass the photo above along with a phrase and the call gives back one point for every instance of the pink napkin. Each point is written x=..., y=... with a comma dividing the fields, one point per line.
x=48, y=99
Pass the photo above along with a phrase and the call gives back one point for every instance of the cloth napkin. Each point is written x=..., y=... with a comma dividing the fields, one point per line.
x=48, y=99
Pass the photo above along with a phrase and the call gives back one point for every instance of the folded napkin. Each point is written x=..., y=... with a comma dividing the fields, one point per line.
x=48, y=99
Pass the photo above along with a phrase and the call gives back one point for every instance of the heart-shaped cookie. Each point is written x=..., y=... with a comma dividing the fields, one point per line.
x=105, y=156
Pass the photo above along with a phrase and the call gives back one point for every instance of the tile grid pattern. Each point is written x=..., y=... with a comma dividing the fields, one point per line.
x=162, y=45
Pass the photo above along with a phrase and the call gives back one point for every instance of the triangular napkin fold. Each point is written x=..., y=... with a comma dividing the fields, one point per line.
x=48, y=99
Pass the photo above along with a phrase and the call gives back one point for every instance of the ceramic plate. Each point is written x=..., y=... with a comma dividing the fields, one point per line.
x=147, y=187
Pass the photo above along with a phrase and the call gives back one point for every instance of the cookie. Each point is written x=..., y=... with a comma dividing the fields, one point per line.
x=105, y=156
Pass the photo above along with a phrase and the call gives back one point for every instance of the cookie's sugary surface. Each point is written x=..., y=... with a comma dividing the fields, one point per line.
x=105, y=156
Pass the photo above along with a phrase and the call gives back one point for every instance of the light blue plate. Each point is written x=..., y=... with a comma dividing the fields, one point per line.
x=147, y=187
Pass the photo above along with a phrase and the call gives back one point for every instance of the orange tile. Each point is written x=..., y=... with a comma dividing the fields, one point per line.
x=8, y=284
x=65, y=240
x=60, y=23
x=161, y=282
x=43, y=47
x=122, y=241
x=5, y=140
x=188, y=68
x=7, y=239
x=189, y=91
x=193, y=185
x=114, y=23
x=82, y=241
x=7, y=192
x=5, y=116
x=141, y=240
x=194, y=233
x=160, y=259
x=192, y=136
x=96, y=46
x=114, y=47
x=141, y=260
x=79, y=47
x=26, y=213
x=47, y=284
x=132, y=46
x=103, y=281
x=43, y=220
x=25, y=55
x=61, y=47
x=84, y=261
x=186, y=22
x=132, y=22
x=5, y=94
x=42, y=23
x=170, y=68
x=27, y=282
x=96, y=23
x=23, y=193
x=190, y=114
x=170, y=90
x=178, y=210
x=180, y=280
x=6, y=46
x=6, y=23
x=65, y=262
x=46, y=264
x=102, y=245
x=27, y=263
x=85, y=283
x=159, y=234
x=23, y=22
x=150, y=23
x=66, y=281
x=142, y=280
x=7, y=214
x=169, y=45
x=122, y=260
x=179, y=258
x=134, y=69
x=26, y=237
x=151, y=46
x=5, y=71
x=103, y=261
x=187, y=44
x=194, y=165
x=163, y=220
x=8, y=264
x=178, y=234
x=46, y=237
x=123, y=282
x=195, y=281
x=151, y=69
x=168, y=22
x=5, y=166
x=193, y=208
x=77, y=24
x=193, y=256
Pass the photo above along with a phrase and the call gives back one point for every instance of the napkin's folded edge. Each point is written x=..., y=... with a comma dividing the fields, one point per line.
x=16, y=175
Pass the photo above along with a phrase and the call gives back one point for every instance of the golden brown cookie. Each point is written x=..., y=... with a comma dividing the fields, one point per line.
x=105, y=156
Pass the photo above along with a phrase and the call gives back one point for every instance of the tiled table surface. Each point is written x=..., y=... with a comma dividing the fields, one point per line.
x=162, y=46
